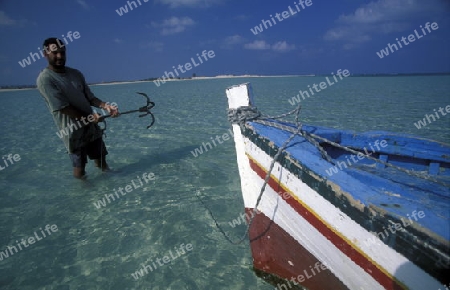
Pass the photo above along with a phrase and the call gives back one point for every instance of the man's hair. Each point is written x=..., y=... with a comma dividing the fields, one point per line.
x=53, y=40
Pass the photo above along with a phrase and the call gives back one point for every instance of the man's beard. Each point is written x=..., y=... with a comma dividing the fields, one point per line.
x=59, y=63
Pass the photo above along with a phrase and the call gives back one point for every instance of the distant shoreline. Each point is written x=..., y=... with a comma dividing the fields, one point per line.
x=17, y=88
x=194, y=79
x=169, y=80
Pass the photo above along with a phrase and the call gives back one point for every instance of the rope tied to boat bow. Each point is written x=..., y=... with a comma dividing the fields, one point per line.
x=241, y=116
x=245, y=114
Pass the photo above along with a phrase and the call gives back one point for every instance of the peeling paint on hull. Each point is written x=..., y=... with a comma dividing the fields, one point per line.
x=333, y=220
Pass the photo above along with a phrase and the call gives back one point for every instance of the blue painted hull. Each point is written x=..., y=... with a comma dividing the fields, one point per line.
x=387, y=194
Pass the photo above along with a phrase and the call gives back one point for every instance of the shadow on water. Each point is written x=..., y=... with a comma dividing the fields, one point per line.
x=158, y=158
x=150, y=161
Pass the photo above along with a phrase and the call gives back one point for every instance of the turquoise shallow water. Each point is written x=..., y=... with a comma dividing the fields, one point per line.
x=100, y=248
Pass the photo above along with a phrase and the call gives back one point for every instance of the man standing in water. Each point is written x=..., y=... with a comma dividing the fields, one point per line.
x=69, y=100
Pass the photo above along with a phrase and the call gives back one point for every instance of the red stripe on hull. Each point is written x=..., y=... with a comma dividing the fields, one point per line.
x=368, y=266
x=273, y=248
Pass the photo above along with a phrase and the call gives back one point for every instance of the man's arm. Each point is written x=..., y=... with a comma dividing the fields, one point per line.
x=78, y=115
x=114, y=111
x=96, y=102
x=72, y=112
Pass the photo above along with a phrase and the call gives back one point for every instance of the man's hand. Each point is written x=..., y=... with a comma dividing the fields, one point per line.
x=112, y=110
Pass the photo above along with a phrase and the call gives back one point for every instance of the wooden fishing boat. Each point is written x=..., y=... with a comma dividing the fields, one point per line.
x=342, y=210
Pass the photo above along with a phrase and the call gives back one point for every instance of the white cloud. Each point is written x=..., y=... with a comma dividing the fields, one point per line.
x=5, y=20
x=380, y=17
x=190, y=3
x=257, y=45
x=231, y=41
x=383, y=11
x=117, y=40
x=283, y=46
x=174, y=25
x=280, y=46
x=83, y=4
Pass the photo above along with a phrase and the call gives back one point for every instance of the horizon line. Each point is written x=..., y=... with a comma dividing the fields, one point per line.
x=237, y=76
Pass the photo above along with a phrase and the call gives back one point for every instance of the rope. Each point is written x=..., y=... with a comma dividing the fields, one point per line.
x=410, y=172
x=311, y=138
x=102, y=144
x=240, y=116
x=244, y=114
x=255, y=208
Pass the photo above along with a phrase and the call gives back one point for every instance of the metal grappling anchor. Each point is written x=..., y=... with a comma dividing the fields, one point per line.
x=144, y=109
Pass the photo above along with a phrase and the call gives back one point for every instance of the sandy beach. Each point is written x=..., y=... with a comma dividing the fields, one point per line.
x=184, y=79
x=10, y=90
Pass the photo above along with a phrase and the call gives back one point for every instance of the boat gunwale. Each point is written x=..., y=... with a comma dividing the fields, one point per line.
x=431, y=246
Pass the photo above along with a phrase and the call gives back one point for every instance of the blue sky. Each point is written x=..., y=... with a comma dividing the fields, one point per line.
x=159, y=34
